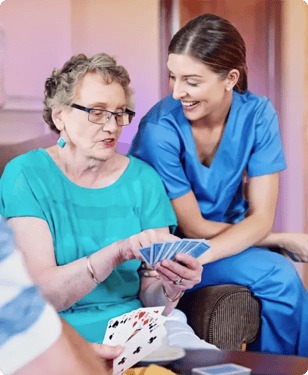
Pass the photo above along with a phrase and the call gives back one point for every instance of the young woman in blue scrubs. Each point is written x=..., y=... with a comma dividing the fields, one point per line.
x=202, y=140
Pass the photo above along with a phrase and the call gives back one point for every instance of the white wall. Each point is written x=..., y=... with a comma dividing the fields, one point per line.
x=43, y=34
x=38, y=39
x=128, y=30
x=293, y=111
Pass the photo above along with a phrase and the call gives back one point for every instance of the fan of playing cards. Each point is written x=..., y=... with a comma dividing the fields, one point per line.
x=166, y=250
x=140, y=332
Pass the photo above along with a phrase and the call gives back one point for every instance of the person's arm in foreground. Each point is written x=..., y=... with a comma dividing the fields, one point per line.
x=33, y=339
x=226, y=239
x=70, y=354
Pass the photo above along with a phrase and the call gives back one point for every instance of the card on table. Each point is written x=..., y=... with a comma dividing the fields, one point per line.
x=224, y=369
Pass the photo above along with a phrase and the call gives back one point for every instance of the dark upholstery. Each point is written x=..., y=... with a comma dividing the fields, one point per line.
x=227, y=316
x=10, y=150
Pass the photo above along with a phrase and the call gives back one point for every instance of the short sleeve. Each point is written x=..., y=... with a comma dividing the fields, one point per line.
x=156, y=210
x=29, y=325
x=267, y=154
x=160, y=146
x=17, y=197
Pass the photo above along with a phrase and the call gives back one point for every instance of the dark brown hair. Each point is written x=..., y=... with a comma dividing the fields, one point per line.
x=60, y=87
x=216, y=42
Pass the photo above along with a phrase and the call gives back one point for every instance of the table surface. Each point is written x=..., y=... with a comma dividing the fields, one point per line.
x=259, y=363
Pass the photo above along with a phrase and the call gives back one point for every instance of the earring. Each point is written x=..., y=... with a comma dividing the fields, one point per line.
x=61, y=142
x=228, y=88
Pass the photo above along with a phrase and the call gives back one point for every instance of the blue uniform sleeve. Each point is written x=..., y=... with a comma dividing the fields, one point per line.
x=267, y=154
x=16, y=196
x=160, y=146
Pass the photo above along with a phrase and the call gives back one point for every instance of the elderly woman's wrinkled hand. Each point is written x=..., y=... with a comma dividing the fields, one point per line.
x=180, y=274
x=129, y=248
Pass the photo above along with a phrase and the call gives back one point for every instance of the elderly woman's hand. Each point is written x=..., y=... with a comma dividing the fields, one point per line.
x=177, y=277
x=129, y=248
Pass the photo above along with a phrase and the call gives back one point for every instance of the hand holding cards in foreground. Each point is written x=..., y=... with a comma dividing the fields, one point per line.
x=159, y=251
x=140, y=332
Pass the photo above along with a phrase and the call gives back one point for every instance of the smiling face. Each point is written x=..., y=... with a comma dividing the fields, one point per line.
x=93, y=141
x=205, y=95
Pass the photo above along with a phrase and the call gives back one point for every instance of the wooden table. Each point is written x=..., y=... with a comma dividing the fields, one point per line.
x=265, y=364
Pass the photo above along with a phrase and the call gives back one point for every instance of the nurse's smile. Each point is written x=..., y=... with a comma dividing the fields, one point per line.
x=189, y=106
x=202, y=92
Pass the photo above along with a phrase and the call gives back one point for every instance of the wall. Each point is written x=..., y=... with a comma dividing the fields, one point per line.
x=249, y=17
x=34, y=46
x=128, y=30
x=293, y=121
x=42, y=35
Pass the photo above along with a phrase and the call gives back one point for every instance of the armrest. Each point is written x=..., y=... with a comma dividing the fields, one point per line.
x=227, y=316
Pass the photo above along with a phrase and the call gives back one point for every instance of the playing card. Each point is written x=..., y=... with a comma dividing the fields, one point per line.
x=119, y=329
x=167, y=250
x=225, y=369
x=113, y=329
x=198, y=250
x=137, y=320
x=140, y=345
x=182, y=245
x=171, y=250
x=166, y=246
x=145, y=252
x=155, y=248
x=190, y=244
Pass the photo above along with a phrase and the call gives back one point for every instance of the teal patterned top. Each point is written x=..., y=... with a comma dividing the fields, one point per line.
x=83, y=221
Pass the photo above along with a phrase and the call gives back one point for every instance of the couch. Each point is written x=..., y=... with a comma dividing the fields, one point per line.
x=227, y=316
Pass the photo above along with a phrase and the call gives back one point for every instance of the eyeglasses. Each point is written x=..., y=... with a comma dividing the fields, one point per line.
x=102, y=116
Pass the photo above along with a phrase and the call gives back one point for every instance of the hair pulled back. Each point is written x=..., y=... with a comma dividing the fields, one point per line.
x=217, y=43
x=60, y=87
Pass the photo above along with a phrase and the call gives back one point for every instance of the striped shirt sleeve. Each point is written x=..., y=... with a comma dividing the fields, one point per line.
x=28, y=324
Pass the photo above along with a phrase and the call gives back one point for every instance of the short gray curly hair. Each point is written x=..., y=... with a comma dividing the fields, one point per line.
x=60, y=87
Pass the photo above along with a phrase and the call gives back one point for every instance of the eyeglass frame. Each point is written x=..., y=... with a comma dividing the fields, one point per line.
x=115, y=114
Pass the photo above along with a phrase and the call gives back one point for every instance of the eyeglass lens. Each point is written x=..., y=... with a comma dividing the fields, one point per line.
x=102, y=117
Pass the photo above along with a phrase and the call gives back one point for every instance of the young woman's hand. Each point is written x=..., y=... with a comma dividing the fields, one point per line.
x=296, y=243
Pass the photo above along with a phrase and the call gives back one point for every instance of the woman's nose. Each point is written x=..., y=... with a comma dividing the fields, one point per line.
x=178, y=91
x=111, y=125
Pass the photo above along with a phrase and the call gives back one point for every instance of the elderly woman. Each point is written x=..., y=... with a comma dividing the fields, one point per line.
x=81, y=211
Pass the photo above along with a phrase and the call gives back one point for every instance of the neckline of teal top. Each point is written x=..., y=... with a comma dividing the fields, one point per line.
x=124, y=175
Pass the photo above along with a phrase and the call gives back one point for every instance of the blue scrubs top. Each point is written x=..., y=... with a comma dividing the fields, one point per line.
x=251, y=141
